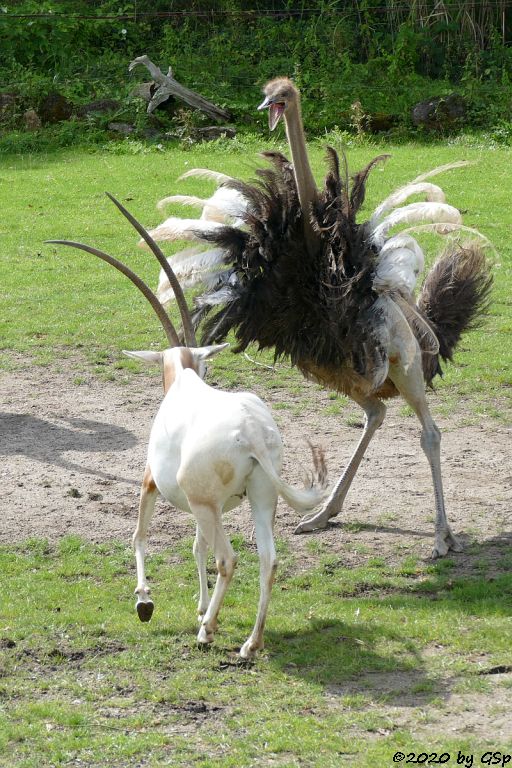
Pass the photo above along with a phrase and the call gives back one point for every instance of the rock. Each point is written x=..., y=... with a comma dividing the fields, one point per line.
x=142, y=91
x=7, y=103
x=98, y=107
x=379, y=122
x=55, y=108
x=440, y=112
x=212, y=132
x=124, y=128
x=32, y=120
x=153, y=134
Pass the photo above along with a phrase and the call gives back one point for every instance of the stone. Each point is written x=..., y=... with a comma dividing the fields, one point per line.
x=54, y=108
x=98, y=107
x=440, y=112
x=212, y=132
x=124, y=128
x=32, y=120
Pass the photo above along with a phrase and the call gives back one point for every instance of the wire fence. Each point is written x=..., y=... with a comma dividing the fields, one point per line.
x=438, y=10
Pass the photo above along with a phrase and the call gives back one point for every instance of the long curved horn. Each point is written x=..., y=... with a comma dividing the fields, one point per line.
x=188, y=328
x=167, y=325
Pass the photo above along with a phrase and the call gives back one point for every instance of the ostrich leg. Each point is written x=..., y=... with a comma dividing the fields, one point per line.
x=375, y=411
x=411, y=386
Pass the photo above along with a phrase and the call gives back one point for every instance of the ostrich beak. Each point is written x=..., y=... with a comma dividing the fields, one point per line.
x=265, y=103
x=275, y=111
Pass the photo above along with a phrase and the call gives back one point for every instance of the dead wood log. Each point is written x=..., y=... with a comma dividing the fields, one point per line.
x=168, y=86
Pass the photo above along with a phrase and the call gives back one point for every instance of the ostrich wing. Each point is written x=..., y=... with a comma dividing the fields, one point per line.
x=191, y=266
x=416, y=213
x=432, y=192
x=175, y=228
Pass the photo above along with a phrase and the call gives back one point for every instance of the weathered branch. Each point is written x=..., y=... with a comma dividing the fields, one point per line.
x=168, y=86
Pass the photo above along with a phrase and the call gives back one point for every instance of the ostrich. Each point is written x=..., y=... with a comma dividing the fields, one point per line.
x=336, y=297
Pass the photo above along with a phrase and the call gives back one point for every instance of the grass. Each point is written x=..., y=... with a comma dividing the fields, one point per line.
x=83, y=682
x=56, y=301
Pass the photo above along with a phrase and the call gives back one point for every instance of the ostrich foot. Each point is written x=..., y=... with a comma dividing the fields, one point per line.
x=445, y=540
x=316, y=522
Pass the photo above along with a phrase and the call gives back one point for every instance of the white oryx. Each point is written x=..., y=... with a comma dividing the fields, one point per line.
x=207, y=450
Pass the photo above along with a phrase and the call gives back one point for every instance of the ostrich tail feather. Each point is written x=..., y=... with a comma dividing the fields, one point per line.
x=454, y=298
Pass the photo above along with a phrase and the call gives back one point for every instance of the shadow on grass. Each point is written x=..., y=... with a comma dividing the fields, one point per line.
x=45, y=442
x=351, y=658
x=343, y=660
x=490, y=557
x=473, y=553
x=356, y=526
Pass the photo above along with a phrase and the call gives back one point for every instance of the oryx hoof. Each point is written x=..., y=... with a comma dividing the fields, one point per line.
x=205, y=637
x=145, y=609
x=249, y=649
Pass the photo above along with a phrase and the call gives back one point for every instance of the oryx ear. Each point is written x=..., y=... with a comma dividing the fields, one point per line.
x=146, y=357
x=207, y=352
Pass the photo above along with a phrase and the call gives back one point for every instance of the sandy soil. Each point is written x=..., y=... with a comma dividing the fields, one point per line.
x=73, y=456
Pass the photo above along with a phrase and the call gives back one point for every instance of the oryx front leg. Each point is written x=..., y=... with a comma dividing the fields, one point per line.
x=263, y=500
x=148, y=497
x=210, y=525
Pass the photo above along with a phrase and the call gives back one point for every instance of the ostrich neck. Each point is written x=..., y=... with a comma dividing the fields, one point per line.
x=306, y=186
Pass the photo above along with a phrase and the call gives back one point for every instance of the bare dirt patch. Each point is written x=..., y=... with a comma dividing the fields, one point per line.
x=72, y=457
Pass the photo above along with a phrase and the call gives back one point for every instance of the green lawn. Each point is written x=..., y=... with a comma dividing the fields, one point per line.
x=360, y=663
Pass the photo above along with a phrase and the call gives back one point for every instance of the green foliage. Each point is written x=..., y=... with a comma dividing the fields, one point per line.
x=385, y=58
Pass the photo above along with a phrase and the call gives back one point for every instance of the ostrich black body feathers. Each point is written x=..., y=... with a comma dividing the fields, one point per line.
x=316, y=307
x=319, y=307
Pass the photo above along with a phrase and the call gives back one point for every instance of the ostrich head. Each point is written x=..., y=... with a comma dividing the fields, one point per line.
x=280, y=96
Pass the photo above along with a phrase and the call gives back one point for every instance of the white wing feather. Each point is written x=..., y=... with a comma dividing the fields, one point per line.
x=400, y=263
x=191, y=266
x=175, y=228
x=206, y=173
x=196, y=202
x=441, y=169
x=226, y=206
x=432, y=192
x=416, y=213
